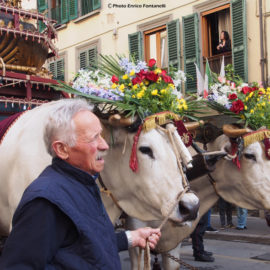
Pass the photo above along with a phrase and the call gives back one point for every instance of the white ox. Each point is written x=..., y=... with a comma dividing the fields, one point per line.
x=247, y=187
x=146, y=194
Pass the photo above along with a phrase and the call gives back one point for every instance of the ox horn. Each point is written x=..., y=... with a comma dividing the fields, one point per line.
x=233, y=131
x=193, y=125
x=116, y=120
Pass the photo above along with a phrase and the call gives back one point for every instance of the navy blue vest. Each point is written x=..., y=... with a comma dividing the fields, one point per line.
x=77, y=195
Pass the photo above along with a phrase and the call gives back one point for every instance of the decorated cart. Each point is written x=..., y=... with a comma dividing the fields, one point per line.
x=24, y=83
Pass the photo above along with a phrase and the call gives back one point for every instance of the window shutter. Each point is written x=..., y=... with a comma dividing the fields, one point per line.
x=92, y=57
x=191, y=49
x=83, y=59
x=239, y=38
x=73, y=9
x=52, y=69
x=60, y=70
x=135, y=45
x=96, y=4
x=64, y=11
x=173, y=43
x=42, y=6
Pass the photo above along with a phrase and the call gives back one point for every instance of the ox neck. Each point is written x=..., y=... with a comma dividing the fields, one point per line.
x=206, y=193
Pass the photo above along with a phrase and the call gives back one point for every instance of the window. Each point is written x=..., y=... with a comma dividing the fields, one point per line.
x=215, y=21
x=161, y=43
x=87, y=55
x=215, y=16
x=57, y=68
x=65, y=10
x=155, y=46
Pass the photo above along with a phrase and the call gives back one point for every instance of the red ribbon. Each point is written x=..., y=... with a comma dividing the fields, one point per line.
x=133, y=161
x=267, y=147
x=184, y=134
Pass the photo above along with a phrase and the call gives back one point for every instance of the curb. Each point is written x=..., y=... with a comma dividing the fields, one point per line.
x=249, y=238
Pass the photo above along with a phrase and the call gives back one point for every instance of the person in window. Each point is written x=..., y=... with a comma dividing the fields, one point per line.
x=225, y=42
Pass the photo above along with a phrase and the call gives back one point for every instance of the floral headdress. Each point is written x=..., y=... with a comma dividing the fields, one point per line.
x=133, y=88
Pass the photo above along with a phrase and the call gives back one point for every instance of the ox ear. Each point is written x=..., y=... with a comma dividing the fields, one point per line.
x=60, y=149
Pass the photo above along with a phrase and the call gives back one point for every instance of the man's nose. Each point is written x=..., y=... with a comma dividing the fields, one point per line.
x=103, y=144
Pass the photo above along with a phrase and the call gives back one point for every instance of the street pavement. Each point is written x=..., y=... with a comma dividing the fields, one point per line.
x=257, y=231
x=233, y=249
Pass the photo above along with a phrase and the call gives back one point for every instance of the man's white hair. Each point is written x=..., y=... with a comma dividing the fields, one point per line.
x=60, y=124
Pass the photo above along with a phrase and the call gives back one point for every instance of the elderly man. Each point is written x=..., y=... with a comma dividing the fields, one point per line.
x=61, y=222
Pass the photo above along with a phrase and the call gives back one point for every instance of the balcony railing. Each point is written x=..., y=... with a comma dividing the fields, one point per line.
x=216, y=60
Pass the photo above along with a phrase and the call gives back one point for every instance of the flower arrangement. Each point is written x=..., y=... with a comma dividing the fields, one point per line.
x=133, y=88
x=249, y=103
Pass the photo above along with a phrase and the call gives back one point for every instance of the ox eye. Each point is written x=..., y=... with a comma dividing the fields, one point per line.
x=250, y=156
x=147, y=151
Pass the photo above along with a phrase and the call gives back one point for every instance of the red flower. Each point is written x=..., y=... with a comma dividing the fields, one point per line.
x=151, y=76
x=151, y=62
x=232, y=96
x=246, y=90
x=142, y=74
x=163, y=72
x=254, y=88
x=167, y=79
x=237, y=106
x=114, y=79
x=136, y=80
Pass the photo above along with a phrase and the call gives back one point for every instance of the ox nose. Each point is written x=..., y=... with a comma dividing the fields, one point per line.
x=188, y=210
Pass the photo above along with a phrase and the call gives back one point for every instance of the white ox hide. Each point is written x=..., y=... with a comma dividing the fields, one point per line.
x=145, y=195
x=247, y=187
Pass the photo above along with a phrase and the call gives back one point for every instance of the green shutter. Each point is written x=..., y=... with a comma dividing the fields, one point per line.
x=96, y=4
x=52, y=69
x=135, y=45
x=92, y=57
x=239, y=38
x=83, y=59
x=73, y=9
x=64, y=11
x=173, y=43
x=191, y=50
x=42, y=5
x=60, y=70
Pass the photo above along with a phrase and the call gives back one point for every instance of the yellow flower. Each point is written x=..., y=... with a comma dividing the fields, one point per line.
x=154, y=92
x=245, y=107
x=185, y=107
x=171, y=85
x=114, y=86
x=262, y=90
x=263, y=104
x=157, y=71
x=133, y=96
x=135, y=86
x=251, y=94
x=144, y=88
x=122, y=87
x=246, y=99
x=141, y=84
x=159, y=80
x=242, y=116
x=132, y=72
x=125, y=77
x=163, y=91
x=251, y=111
x=146, y=82
x=140, y=94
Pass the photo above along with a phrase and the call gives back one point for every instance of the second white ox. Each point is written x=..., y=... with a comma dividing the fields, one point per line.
x=146, y=194
x=247, y=187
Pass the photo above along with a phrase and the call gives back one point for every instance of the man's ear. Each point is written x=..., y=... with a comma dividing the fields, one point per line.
x=61, y=149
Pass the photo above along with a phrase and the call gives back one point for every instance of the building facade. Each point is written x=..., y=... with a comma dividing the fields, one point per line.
x=178, y=33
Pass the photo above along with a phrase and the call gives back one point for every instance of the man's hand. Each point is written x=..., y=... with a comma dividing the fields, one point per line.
x=140, y=236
